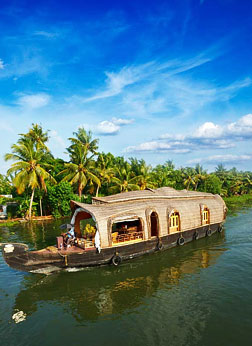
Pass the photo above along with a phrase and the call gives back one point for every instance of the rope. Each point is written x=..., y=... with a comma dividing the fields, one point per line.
x=65, y=258
x=52, y=249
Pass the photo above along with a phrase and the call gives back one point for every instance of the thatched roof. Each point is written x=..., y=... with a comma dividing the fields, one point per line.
x=135, y=201
x=161, y=193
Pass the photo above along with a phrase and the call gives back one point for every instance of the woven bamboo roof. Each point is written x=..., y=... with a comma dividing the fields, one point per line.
x=161, y=193
x=135, y=201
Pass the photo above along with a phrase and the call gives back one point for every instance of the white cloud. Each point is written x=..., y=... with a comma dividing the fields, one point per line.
x=130, y=75
x=209, y=130
x=107, y=128
x=228, y=158
x=206, y=136
x=33, y=101
x=159, y=146
x=121, y=122
x=241, y=128
x=1, y=64
x=116, y=82
x=46, y=34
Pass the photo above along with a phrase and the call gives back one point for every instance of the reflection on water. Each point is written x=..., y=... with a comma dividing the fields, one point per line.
x=36, y=234
x=93, y=293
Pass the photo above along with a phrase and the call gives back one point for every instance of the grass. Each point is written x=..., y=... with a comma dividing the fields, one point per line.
x=236, y=202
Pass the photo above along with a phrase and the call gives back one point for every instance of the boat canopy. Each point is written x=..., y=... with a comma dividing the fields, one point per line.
x=138, y=205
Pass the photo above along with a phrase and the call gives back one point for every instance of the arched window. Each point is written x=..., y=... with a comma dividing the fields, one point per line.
x=174, y=224
x=205, y=216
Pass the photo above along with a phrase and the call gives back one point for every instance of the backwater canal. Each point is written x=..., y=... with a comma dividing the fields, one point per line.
x=198, y=294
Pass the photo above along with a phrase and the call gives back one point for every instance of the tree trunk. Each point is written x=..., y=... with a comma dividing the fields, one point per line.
x=80, y=190
x=97, y=191
x=30, y=208
x=40, y=204
x=188, y=186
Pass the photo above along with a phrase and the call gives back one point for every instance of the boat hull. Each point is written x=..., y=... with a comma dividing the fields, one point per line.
x=46, y=260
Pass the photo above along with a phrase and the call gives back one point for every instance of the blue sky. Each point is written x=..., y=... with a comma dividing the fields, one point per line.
x=163, y=80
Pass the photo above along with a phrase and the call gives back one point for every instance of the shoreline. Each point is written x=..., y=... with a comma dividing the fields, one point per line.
x=15, y=221
x=239, y=201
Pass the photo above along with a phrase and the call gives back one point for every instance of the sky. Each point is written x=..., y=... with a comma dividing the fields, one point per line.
x=158, y=80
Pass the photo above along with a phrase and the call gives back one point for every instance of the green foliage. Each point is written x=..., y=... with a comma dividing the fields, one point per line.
x=81, y=170
x=5, y=185
x=59, y=197
x=212, y=184
x=236, y=202
x=12, y=210
x=23, y=208
x=30, y=167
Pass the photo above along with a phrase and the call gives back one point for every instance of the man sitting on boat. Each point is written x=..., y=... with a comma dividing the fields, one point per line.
x=69, y=236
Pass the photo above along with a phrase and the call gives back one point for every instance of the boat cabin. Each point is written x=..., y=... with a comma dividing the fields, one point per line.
x=138, y=216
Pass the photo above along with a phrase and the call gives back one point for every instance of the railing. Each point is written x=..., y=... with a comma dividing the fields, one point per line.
x=130, y=236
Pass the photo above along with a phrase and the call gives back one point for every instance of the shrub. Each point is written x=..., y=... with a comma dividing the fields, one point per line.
x=58, y=198
x=213, y=184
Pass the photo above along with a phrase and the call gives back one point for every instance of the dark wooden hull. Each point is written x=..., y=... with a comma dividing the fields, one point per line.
x=46, y=261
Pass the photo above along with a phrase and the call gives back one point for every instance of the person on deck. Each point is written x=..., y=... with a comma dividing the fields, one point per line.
x=70, y=235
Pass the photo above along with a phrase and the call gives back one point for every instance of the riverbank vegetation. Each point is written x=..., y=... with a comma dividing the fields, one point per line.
x=42, y=184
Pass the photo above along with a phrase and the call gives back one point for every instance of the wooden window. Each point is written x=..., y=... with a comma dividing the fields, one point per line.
x=174, y=223
x=205, y=216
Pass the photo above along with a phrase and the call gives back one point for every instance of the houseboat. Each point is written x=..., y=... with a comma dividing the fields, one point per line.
x=126, y=225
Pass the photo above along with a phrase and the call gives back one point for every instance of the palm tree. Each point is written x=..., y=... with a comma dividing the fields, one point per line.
x=81, y=169
x=83, y=138
x=200, y=175
x=221, y=171
x=29, y=168
x=104, y=170
x=188, y=174
x=37, y=136
x=143, y=176
x=124, y=180
x=247, y=183
x=163, y=175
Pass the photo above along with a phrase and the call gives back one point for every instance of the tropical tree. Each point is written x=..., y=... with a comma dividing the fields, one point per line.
x=104, y=170
x=200, y=175
x=124, y=180
x=30, y=169
x=164, y=175
x=81, y=168
x=142, y=171
x=188, y=175
x=213, y=184
x=5, y=185
x=247, y=182
x=37, y=136
x=83, y=138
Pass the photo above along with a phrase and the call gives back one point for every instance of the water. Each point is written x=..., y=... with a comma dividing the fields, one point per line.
x=198, y=294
